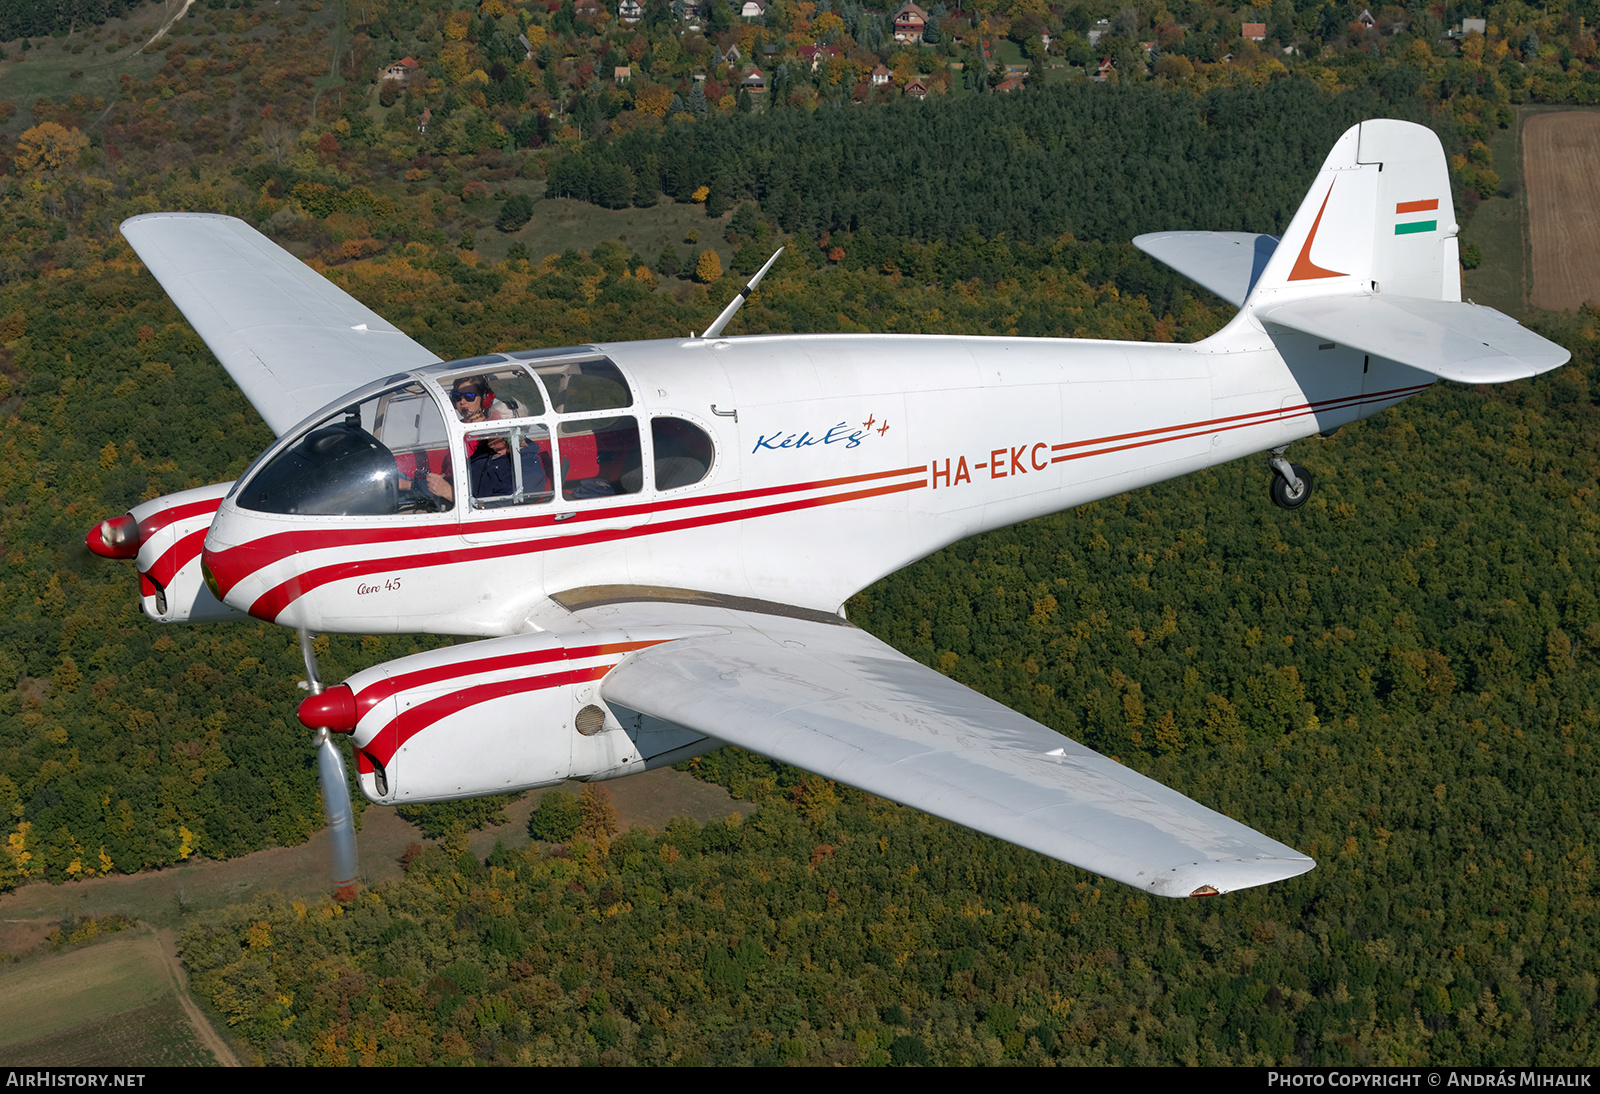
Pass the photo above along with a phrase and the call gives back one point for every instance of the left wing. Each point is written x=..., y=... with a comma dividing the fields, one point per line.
x=291, y=339
x=826, y=696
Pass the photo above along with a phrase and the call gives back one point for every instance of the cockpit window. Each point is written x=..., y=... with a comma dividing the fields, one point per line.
x=371, y=458
x=579, y=386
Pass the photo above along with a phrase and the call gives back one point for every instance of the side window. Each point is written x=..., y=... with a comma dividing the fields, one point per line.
x=600, y=458
x=683, y=452
x=494, y=393
x=509, y=465
x=579, y=386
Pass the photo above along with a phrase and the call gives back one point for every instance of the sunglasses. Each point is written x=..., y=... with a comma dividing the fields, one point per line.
x=463, y=396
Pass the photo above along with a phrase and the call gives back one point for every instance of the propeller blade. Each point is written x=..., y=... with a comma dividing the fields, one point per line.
x=336, y=804
x=335, y=786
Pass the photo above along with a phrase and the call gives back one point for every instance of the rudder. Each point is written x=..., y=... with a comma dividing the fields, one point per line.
x=1378, y=219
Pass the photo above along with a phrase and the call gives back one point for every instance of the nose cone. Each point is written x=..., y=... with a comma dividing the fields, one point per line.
x=333, y=710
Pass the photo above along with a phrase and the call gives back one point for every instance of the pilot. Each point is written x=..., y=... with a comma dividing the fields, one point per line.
x=473, y=399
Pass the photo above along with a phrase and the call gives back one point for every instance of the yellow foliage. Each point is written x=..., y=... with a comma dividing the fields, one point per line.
x=709, y=268
x=455, y=27
x=701, y=194
x=654, y=100
x=49, y=146
x=535, y=35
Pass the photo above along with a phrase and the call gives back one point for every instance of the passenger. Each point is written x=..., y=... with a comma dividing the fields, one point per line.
x=489, y=470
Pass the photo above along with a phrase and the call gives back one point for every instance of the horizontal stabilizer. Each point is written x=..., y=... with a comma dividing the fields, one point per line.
x=834, y=700
x=1456, y=340
x=1227, y=263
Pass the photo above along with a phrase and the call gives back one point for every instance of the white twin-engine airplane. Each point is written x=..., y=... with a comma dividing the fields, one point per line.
x=655, y=539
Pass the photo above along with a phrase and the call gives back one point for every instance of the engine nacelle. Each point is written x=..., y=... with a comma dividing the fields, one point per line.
x=498, y=716
x=165, y=536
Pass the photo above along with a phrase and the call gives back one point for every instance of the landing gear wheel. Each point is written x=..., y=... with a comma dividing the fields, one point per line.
x=1286, y=498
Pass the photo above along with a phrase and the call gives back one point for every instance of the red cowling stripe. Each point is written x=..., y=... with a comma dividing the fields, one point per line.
x=160, y=520
x=179, y=555
x=386, y=686
x=414, y=720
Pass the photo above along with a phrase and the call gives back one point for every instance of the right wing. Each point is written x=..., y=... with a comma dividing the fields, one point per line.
x=825, y=696
x=291, y=339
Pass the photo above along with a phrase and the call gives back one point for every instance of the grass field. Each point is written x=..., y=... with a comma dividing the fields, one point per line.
x=561, y=223
x=1496, y=227
x=1561, y=160
x=109, y=1003
x=155, y=1035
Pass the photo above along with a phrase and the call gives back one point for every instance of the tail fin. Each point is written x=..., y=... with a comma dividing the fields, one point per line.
x=1370, y=262
x=1379, y=219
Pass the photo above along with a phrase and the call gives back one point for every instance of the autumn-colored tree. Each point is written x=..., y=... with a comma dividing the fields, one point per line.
x=709, y=268
x=49, y=146
x=599, y=815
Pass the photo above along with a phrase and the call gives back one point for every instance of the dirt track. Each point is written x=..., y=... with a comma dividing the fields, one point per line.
x=1561, y=166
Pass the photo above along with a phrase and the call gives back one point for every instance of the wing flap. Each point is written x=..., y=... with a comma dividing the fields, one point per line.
x=291, y=339
x=836, y=701
x=1227, y=263
x=1455, y=340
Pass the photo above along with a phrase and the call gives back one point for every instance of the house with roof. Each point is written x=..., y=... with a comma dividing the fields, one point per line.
x=754, y=81
x=917, y=89
x=400, y=72
x=1366, y=19
x=880, y=76
x=630, y=11
x=814, y=55
x=1255, y=32
x=909, y=23
x=622, y=73
x=753, y=9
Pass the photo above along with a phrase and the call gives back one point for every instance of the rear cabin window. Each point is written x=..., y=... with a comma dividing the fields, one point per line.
x=683, y=452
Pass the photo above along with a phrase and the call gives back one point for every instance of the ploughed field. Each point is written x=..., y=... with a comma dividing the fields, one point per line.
x=1561, y=165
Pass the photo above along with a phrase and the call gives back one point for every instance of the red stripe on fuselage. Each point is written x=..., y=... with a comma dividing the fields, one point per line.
x=275, y=600
x=1254, y=417
x=248, y=558
x=1283, y=415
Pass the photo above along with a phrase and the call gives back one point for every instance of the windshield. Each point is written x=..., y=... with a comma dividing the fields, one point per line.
x=369, y=458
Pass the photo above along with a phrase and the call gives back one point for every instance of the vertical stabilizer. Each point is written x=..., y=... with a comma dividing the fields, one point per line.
x=1378, y=219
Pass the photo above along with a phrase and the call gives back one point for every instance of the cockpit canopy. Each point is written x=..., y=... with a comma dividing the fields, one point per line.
x=513, y=429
